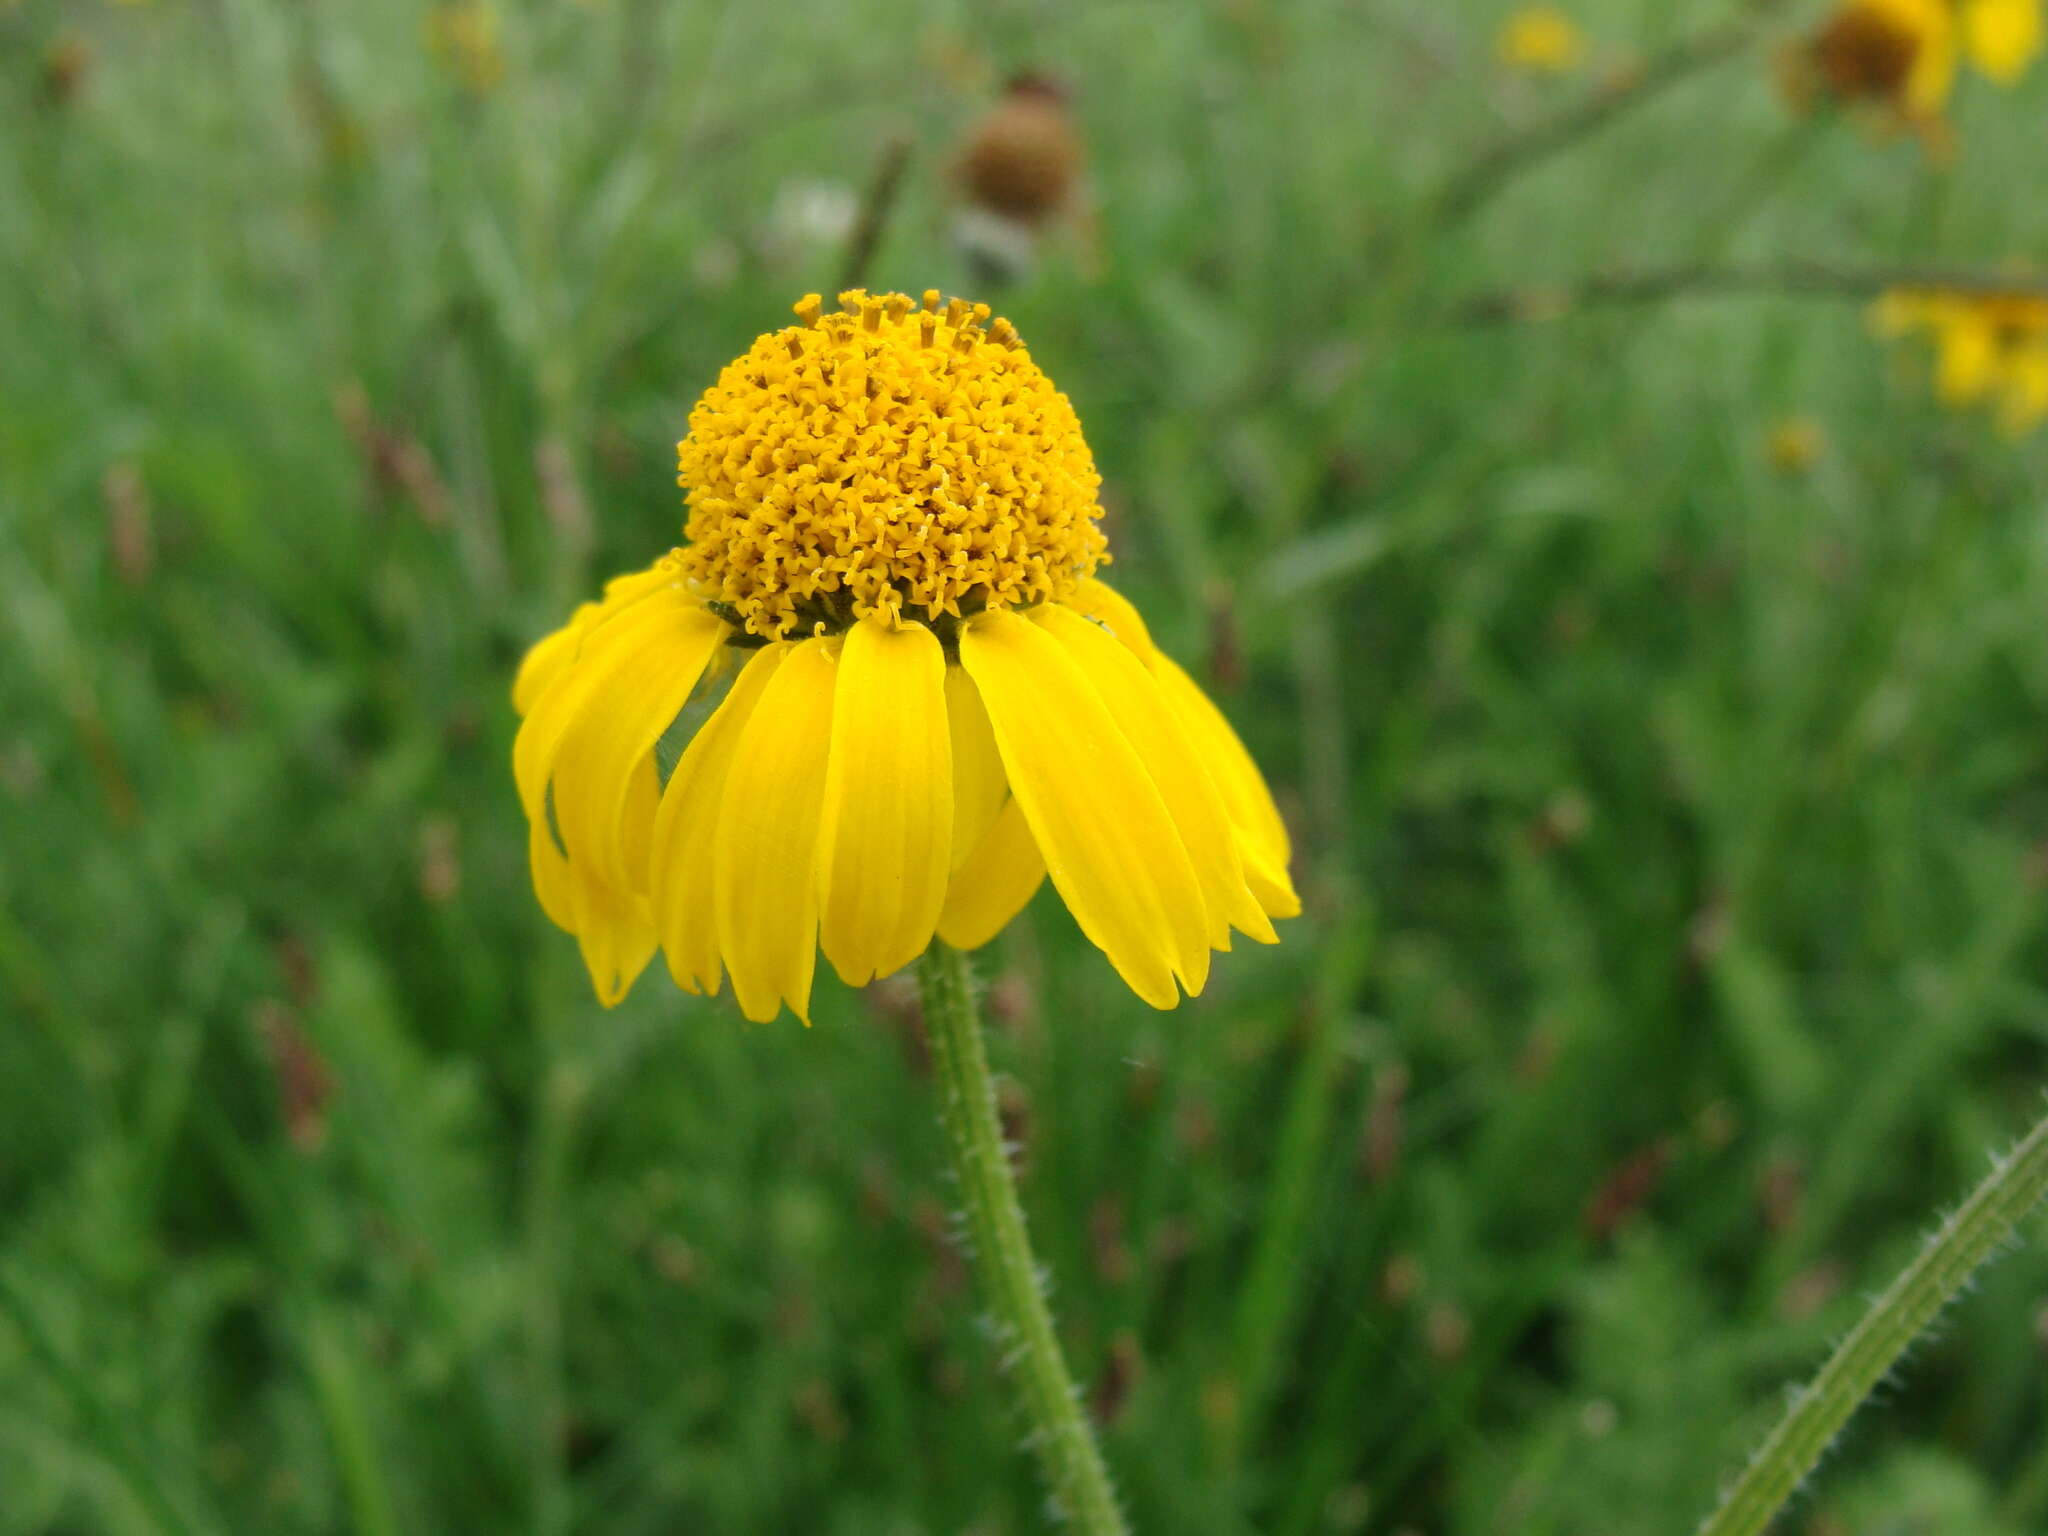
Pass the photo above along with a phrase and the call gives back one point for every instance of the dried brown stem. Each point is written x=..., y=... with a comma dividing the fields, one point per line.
x=875, y=207
x=1495, y=169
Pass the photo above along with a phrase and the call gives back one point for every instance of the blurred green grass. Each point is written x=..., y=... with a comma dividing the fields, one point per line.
x=1676, y=824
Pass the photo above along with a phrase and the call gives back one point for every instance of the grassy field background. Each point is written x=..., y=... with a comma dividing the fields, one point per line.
x=1675, y=827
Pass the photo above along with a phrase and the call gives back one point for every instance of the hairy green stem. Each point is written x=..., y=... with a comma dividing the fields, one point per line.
x=1874, y=1345
x=1060, y=1432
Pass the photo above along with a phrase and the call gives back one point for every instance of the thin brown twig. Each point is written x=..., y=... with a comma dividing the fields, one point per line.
x=1495, y=169
x=1538, y=302
x=875, y=208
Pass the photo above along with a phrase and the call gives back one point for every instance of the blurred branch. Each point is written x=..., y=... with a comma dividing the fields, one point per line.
x=1495, y=169
x=1539, y=302
x=875, y=207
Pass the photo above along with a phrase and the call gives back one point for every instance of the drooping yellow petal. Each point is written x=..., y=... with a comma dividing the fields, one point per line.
x=616, y=731
x=1107, y=838
x=550, y=876
x=979, y=788
x=609, y=650
x=2023, y=403
x=764, y=864
x=1115, y=612
x=680, y=862
x=613, y=932
x=1000, y=875
x=544, y=662
x=1933, y=75
x=1179, y=771
x=1262, y=835
x=885, y=831
x=550, y=654
x=2003, y=36
x=1966, y=360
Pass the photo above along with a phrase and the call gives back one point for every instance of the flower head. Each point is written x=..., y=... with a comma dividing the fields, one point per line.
x=1990, y=348
x=1794, y=444
x=462, y=37
x=1897, y=55
x=1541, y=39
x=904, y=695
x=1902, y=55
x=1023, y=157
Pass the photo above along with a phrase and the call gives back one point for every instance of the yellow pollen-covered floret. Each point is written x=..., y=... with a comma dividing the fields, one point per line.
x=893, y=459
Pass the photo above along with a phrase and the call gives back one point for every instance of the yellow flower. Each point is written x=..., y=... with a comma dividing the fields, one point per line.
x=1895, y=54
x=463, y=39
x=2003, y=36
x=905, y=694
x=1990, y=348
x=1541, y=39
x=1795, y=444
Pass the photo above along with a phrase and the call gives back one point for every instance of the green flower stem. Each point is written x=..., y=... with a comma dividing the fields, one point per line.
x=1895, y=1319
x=1060, y=1432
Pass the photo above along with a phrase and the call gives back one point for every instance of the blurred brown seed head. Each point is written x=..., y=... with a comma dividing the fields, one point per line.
x=1894, y=55
x=1024, y=157
x=1860, y=53
x=66, y=64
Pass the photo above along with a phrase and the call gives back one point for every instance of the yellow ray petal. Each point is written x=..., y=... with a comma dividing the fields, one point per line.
x=1114, y=612
x=1262, y=835
x=764, y=864
x=1178, y=769
x=2004, y=36
x=607, y=650
x=550, y=876
x=679, y=865
x=616, y=730
x=550, y=654
x=979, y=788
x=999, y=876
x=612, y=930
x=1968, y=360
x=1107, y=838
x=885, y=829
x=544, y=662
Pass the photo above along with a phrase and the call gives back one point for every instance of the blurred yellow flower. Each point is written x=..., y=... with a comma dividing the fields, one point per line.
x=1990, y=348
x=1795, y=444
x=2003, y=36
x=463, y=39
x=912, y=699
x=1541, y=39
x=1902, y=55
x=1896, y=54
